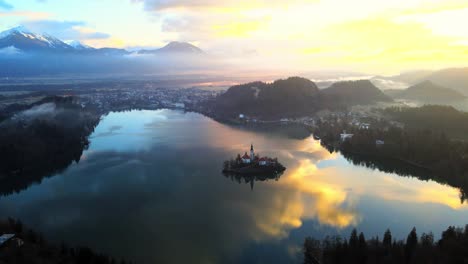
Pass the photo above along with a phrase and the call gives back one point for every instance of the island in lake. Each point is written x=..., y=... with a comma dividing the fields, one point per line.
x=253, y=164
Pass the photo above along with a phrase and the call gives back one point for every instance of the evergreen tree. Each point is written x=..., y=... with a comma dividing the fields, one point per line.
x=387, y=239
x=411, y=244
x=353, y=239
x=311, y=251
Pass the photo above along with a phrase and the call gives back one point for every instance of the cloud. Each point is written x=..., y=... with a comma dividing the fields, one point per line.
x=392, y=42
x=10, y=51
x=157, y=5
x=25, y=14
x=384, y=36
x=5, y=5
x=65, y=29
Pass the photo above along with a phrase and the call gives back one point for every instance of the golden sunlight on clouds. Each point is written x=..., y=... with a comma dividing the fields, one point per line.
x=326, y=202
x=278, y=223
x=303, y=194
x=329, y=195
x=394, y=43
x=431, y=192
x=396, y=188
x=390, y=36
x=368, y=36
x=238, y=29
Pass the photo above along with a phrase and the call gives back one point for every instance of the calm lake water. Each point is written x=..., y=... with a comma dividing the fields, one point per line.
x=150, y=189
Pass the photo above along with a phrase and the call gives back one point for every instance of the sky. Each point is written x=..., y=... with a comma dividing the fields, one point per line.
x=372, y=36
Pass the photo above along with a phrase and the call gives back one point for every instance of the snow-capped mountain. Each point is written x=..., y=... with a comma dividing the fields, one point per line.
x=78, y=45
x=26, y=40
x=20, y=40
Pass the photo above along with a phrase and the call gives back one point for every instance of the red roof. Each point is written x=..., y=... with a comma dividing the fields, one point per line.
x=246, y=156
x=263, y=159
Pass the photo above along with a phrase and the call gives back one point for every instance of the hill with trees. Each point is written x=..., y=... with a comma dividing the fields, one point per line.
x=438, y=118
x=455, y=78
x=426, y=146
x=29, y=246
x=291, y=97
x=429, y=92
x=348, y=93
x=42, y=141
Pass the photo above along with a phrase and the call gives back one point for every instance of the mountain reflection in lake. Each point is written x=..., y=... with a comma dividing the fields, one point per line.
x=150, y=188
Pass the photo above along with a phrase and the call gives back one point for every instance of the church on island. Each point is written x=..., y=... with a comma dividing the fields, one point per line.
x=255, y=159
x=253, y=164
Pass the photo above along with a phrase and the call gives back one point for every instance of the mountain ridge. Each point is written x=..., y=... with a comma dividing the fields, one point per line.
x=428, y=92
x=291, y=97
x=28, y=41
x=174, y=47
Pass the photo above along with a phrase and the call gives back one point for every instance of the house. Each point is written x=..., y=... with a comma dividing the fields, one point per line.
x=241, y=116
x=263, y=161
x=379, y=142
x=345, y=136
x=364, y=126
x=246, y=158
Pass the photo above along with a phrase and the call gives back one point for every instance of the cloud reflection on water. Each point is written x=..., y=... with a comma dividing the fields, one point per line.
x=155, y=187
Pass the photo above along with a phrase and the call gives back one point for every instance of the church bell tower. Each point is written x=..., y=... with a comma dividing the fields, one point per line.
x=252, y=153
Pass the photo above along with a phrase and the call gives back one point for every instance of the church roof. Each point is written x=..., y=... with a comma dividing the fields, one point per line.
x=246, y=156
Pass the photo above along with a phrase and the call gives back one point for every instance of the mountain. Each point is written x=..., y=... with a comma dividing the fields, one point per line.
x=410, y=77
x=292, y=97
x=353, y=92
x=455, y=78
x=174, y=47
x=20, y=39
x=25, y=40
x=429, y=92
x=110, y=52
x=393, y=93
x=282, y=98
x=77, y=45
x=399, y=82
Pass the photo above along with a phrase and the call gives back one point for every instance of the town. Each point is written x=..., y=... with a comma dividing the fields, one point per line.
x=105, y=97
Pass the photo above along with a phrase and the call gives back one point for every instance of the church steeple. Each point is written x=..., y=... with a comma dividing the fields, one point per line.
x=252, y=153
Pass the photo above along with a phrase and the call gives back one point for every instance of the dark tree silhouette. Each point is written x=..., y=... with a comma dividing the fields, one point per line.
x=411, y=244
x=387, y=239
x=451, y=248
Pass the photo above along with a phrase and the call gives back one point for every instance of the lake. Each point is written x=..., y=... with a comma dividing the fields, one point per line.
x=149, y=188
